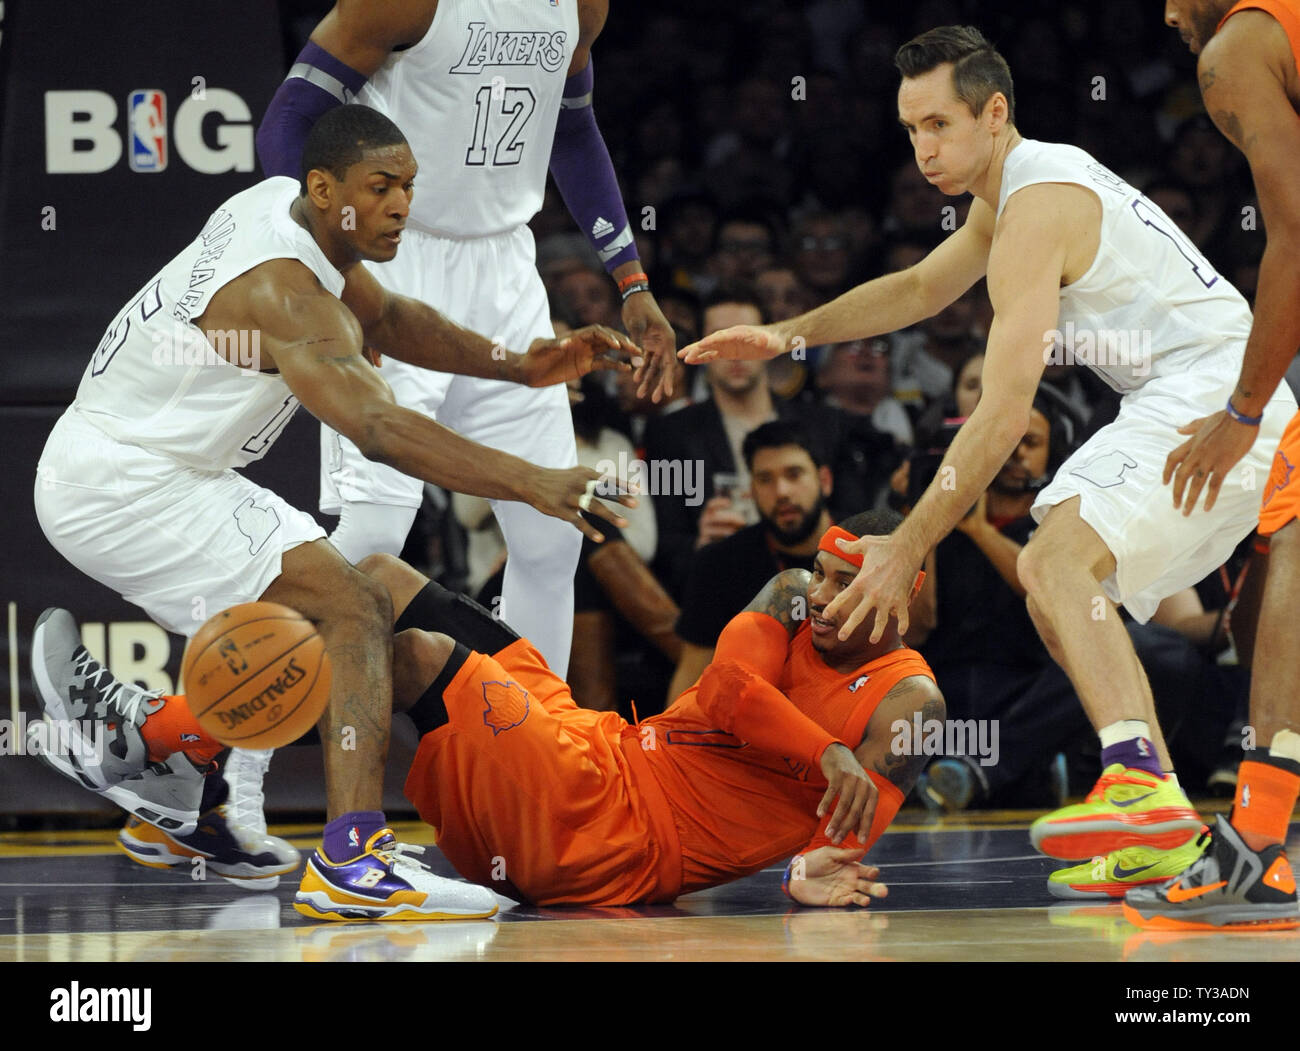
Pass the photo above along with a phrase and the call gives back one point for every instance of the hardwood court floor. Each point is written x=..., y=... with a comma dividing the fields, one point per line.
x=961, y=889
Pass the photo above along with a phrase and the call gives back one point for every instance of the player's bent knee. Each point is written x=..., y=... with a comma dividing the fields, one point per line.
x=361, y=601
x=418, y=659
x=1029, y=568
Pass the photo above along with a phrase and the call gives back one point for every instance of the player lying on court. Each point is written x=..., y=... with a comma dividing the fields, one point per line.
x=1072, y=252
x=786, y=743
x=137, y=485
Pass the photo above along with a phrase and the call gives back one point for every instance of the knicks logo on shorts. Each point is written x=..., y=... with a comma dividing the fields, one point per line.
x=507, y=705
x=1278, y=477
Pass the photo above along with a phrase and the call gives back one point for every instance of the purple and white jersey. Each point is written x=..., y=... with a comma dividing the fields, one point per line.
x=1150, y=304
x=478, y=99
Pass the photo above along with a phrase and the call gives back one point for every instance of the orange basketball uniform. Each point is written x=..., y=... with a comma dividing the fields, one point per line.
x=1281, y=498
x=554, y=804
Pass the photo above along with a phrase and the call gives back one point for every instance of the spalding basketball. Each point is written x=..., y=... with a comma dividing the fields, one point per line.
x=257, y=675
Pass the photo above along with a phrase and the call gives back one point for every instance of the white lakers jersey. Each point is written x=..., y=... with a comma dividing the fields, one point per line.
x=1150, y=303
x=478, y=98
x=157, y=381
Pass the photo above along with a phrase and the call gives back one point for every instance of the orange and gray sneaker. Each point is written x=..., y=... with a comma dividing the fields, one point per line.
x=1231, y=888
x=1126, y=808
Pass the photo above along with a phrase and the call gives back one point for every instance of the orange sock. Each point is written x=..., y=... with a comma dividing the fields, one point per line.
x=173, y=728
x=1266, y=796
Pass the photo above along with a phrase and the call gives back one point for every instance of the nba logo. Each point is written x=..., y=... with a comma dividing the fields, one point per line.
x=147, y=119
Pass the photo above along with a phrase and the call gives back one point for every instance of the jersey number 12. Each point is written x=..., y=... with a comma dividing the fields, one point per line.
x=498, y=105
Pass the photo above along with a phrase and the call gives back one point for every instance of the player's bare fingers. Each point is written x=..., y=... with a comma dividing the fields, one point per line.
x=1181, y=476
x=828, y=797
x=903, y=620
x=879, y=624
x=868, y=814
x=587, y=529
x=1194, y=486
x=1173, y=460
x=839, y=824
x=1212, y=491
x=602, y=510
x=844, y=820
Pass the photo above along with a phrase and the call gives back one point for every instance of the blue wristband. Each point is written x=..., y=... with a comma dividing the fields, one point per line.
x=1249, y=421
x=785, y=879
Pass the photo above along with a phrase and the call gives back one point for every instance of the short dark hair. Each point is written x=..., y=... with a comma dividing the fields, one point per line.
x=777, y=434
x=340, y=138
x=734, y=292
x=876, y=522
x=978, y=71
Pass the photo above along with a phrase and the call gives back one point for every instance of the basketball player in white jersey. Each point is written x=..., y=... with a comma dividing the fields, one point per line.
x=138, y=487
x=1072, y=254
x=490, y=96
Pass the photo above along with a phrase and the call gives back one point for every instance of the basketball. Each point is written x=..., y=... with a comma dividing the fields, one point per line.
x=257, y=675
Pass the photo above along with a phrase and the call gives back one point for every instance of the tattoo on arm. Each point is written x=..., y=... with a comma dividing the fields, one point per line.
x=903, y=770
x=1207, y=80
x=784, y=598
x=1231, y=125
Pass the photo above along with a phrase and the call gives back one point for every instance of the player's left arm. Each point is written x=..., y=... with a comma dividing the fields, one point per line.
x=1243, y=75
x=1026, y=264
x=414, y=332
x=585, y=177
x=826, y=874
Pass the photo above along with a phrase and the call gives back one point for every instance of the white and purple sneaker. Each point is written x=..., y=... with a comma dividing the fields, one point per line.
x=382, y=884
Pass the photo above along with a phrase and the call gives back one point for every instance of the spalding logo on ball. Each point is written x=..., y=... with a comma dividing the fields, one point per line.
x=257, y=675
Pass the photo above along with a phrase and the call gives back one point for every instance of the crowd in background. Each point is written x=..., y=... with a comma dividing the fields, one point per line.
x=764, y=173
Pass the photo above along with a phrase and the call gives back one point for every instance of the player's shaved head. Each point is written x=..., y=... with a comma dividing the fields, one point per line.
x=978, y=71
x=342, y=137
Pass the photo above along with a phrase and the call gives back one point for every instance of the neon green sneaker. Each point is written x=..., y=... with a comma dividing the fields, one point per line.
x=1126, y=808
x=1116, y=874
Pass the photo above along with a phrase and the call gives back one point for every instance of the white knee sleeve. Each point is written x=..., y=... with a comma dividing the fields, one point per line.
x=372, y=529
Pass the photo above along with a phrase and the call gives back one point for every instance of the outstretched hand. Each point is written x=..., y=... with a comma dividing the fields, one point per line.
x=884, y=584
x=832, y=876
x=593, y=348
x=650, y=330
x=739, y=342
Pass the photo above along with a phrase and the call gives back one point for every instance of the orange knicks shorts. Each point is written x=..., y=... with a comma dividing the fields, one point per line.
x=1282, y=491
x=539, y=799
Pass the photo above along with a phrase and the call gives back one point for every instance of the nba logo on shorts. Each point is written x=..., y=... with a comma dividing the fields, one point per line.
x=147, y=118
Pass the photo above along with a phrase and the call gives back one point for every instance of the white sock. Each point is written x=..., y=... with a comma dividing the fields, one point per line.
x=1286, y=744
x=1124, y=730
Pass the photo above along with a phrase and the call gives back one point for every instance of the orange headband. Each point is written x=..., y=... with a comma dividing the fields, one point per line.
x=829, y=546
